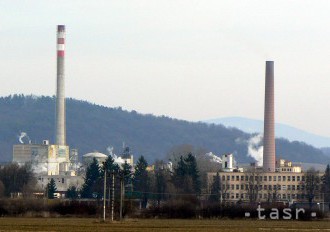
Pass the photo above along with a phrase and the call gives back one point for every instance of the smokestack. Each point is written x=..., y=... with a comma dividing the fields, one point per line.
x=269, y=130
x=60, y=89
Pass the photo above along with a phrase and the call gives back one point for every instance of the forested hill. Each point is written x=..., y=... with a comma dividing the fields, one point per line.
x=92, y=127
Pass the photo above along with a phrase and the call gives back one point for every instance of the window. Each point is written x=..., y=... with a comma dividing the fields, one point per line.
x=232, y=178
x=298, y=187
x=228, y=177
x=260, y=178
x=237, y=178
x=298, y=178
x=242, y=186
x=237, y=187
x=289, y=178
x=303, y=178
x=274, y=178
x=293, y=187
x=270, y=178
x=284, y=178
x=279, y=178
x=269, y=187
x=265, y=178
x=265, y=187
x=237, y=195
x=274, y=187
x=62, y=180
x=293, y=178
x=289, y=187
x=232, y=187
x=242, y=178
x=246, y=178
x=265, y=196
x=223, y=178
x=283, y=196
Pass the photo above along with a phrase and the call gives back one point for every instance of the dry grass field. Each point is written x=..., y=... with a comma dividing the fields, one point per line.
x=94, y=225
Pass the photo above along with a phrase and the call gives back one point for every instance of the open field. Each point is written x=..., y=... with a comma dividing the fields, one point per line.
x=87, y=224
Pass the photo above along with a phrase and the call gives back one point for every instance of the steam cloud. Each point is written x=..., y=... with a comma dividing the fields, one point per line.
x=255, y=149
x=23, y=135
x=214, y=158
x=117, y=160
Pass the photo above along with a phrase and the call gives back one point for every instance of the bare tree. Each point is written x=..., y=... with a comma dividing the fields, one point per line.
x=312, y=185
x=253, y=179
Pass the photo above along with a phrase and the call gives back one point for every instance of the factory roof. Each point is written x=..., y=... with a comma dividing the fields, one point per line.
x=95, y=154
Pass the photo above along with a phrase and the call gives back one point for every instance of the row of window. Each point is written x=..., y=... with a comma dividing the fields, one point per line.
x=263, y=178
x=265, y=187
x=269, y=196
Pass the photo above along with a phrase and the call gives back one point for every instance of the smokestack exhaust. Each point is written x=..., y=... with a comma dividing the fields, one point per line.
x=60, y=88
x=269, y=127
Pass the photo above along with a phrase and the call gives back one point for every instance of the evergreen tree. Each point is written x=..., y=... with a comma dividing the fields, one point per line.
x=179, y=174
x=216, y=189
x=160, y=182
x=126, y=173
x=326, y=184
x=110, y=165
x=92, y=186
x=186, y=175
x=141, y=181
x=51, y=189
x=72, y=193
x=192, y=171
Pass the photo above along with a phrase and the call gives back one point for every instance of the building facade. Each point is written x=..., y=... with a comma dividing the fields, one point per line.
x=255, y=185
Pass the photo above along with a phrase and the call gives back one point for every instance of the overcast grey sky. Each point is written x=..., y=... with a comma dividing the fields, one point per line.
x=186, y=59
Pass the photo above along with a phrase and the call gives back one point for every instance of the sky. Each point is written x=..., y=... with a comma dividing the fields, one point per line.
x=187, y=59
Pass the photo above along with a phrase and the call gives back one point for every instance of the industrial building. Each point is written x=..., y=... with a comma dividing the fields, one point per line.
x=46, y=158
x=55, y=161
x=278, y=180
x=261, y=186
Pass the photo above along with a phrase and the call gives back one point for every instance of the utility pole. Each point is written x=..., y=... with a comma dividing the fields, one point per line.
x=121, y=198
x=113, y=194
x=109, y=200
x=105, y=192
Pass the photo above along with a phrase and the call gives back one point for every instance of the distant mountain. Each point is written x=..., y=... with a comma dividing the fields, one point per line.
x=281, y=130
x=92, y=127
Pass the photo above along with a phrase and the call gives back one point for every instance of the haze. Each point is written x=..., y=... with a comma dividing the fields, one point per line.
x=192, y=60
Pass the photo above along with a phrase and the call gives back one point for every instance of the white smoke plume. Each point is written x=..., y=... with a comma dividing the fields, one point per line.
x=214, y=158
x=117, y=160
x=255, y=149
x=23, y=135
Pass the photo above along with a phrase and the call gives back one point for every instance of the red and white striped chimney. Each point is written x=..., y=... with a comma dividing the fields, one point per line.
x=60, y=90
